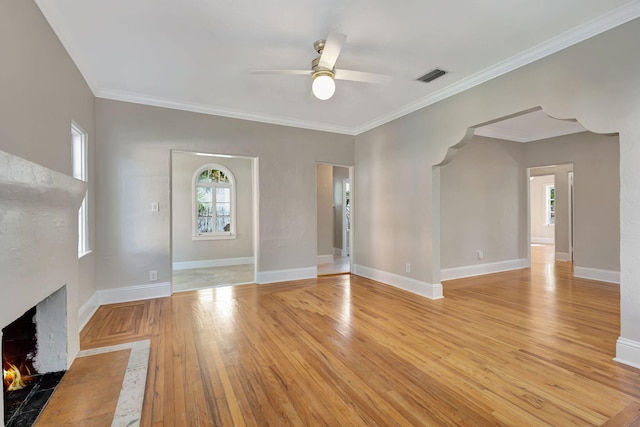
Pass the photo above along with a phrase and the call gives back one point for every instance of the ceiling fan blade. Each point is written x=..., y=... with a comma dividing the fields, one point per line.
x=299, y=72
x=331, y=51
x=361, y=76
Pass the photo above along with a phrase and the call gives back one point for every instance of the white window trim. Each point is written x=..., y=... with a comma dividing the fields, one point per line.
x=194, y=204
x=80, y=147
x=547, y=204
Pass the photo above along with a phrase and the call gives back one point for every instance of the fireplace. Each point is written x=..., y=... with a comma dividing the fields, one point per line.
x=34, y=355
x=39, y=259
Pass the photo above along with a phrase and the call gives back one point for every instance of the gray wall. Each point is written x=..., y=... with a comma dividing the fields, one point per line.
x=183, y=167
x=596, y=81
x=483, y=199
x=482, y=204
x=596, y=160
x=42, y=92
x=134, y=143
x=324, y=177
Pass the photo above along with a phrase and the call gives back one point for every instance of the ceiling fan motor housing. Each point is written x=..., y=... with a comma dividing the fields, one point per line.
x=320, y=71
x=319, y=45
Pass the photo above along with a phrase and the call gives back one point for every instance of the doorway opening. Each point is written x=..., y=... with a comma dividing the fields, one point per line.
x=483, y=189
x=334, y=218
x=550, y=209
x=214, y=211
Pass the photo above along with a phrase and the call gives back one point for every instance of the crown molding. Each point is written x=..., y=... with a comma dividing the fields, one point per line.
x=511, y=135
x=55, y=19
x=587, y=30
x=137, y=98
x=612, y=19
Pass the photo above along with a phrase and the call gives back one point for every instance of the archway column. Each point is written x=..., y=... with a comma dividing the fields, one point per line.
x=628, y=344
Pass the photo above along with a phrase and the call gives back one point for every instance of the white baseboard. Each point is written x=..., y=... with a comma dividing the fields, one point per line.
x=428, y=290
x=188, y=265
x=563, y=256
x=597, y=274
x=337, y=252
x=480, y=269
x=543, y=240
x=275, y=276
x=325, y=259
x=134, y=293
x=87, y=310
x=628, y=352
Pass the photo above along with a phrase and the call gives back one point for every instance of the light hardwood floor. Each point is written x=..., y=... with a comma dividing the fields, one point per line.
x=527, y=347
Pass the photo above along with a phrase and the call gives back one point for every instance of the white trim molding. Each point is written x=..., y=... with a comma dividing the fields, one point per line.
x=274, y=276
x=225, y=262
x=628, y=352
x=87, y=310
x=563, y=256
x=325, y=259
x=597, y=274
x=338, y=252
x=428, y=290
x=611, y=19
x=480, y=269
x=134, y=293
x=543, y=240
x=176, y=104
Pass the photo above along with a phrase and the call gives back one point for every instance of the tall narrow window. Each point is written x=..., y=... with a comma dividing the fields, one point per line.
x=214, y=203
x=80, y=171
x=550, y=197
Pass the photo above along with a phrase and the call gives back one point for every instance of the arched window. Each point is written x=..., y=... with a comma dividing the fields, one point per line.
x=214, y=203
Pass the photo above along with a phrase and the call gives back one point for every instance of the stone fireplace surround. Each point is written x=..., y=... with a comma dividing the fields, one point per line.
x=38, y=242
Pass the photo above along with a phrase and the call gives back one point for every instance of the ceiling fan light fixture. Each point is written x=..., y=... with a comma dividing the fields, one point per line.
x=323, y=86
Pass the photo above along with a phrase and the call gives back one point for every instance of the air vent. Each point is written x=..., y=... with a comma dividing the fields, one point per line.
x=432, y=75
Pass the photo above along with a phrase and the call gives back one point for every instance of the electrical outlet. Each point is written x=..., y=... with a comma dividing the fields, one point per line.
x=480, y=254
x=408, y=267
x=155, y=207
x=153, y=275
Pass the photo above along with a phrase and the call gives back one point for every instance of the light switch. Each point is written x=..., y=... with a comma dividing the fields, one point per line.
x=155, y=207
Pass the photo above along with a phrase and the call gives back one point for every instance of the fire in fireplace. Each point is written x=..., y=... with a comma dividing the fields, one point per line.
x=18, y=351
x=27, y=361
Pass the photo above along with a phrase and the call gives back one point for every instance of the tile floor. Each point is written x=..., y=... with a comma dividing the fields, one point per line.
x=340, y=265
x=210, y=277
x=201, y=278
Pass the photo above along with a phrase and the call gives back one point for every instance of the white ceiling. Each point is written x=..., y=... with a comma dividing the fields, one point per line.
x=529, y=127
x=196, y=54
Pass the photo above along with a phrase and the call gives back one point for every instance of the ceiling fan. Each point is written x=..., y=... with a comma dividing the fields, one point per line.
x=323, y=71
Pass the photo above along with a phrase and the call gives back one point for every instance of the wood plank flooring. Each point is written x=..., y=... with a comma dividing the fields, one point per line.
x=527, y=347
x=91, y=388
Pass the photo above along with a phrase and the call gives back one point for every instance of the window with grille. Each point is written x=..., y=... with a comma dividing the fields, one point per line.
x=214, y=204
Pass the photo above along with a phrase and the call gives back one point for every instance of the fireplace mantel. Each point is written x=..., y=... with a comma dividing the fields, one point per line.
x=24, y=182
x=38, y=233
x=38, y=237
